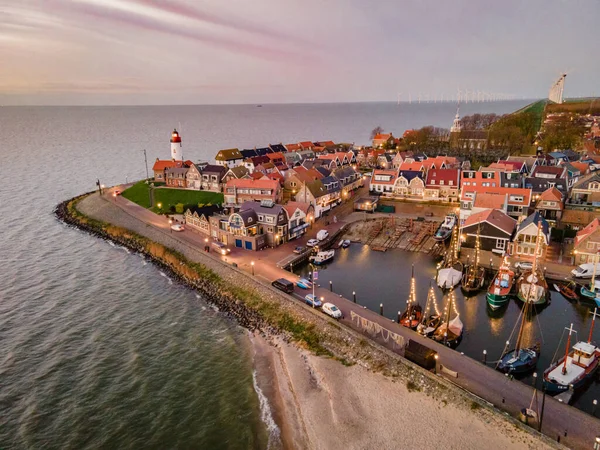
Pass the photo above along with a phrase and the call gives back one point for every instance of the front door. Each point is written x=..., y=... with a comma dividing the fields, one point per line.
x=238, y=243
x=248, y=245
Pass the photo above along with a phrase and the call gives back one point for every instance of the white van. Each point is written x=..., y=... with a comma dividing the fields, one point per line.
x=322, y=235
x=585, y=271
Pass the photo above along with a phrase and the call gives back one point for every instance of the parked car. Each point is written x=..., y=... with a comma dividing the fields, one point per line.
x=284, y=285
x=312, y=242
x=322, y=235
x=177, y=227
x=220, y=247
x=299, y=249
x=313, y=301
x=524, y=265
x=331, y=310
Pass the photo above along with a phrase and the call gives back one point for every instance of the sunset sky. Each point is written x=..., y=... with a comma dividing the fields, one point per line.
x=284, y=51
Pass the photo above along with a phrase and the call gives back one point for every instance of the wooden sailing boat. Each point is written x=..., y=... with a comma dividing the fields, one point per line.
x=431, y=319
x=450, y=271
x=574, y=368
x=450, y=333
x=413, y=314
x=474, y=276
x=521, y=360
x=500, y=289
x=568, y=290
x=532, y=286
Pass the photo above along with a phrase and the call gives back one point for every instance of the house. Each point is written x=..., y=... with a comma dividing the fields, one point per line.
x=253, y=162
x=413, y=166
x=526, y=237
x=293, y=158
x=495, y=230
x=409, y=183
x=212, y=178
x=251, y=153
x=306, y=154
x=587, y=243
x=263, y=151
x=530, y=161
x=306, y=145
x=314, y=193
x=230, y=157
x=276, y=158
x=383, y=180
x=278, y=148
x=383, y=140
x=176, y=176
x=161, y=165
x=573, y=174
x=586, y=193
x=550, y=205
x=237, y=192
x=576, y=219
x=236, y=173
x=442, y=184
x=398, y=160
x=293, y=147
x=197, y=218
x=483, y=177
x=300, y=216
x=539, y=185
x=475, y=202
x=512, y=179
x=512, y=166
x=193, y=177
x=330, y=160
x=349, y=179
x=334, y=191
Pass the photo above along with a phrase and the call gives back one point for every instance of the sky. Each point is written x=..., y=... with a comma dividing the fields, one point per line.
x=107, y=52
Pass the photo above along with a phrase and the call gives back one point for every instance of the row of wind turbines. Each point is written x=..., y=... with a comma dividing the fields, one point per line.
x=461, y=96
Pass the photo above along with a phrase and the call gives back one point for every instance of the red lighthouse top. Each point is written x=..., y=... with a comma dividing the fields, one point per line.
x=175, y=136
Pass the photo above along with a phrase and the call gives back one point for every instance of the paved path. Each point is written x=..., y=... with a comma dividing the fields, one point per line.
x=507, y=395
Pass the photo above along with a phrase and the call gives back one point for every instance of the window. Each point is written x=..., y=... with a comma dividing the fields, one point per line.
x=451, y=183
x=441, y=182
x=261, y=217
x=293, y=184
x=591, y=245
x=270, y=219
x=500, y=244
x=516, y=198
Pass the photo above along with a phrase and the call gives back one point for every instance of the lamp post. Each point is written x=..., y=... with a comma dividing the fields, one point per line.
x=170, y=222
x=252, y=265
x=276, y=240
x=159, y=204
x=312, y=277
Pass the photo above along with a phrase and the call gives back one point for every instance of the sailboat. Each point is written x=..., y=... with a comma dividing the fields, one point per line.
x=474, y=276
x=450, y=333
x=532, y=286
x=413, y=314
x=575, y=367
x=499, y=292
x=521, y=360
x=430, y=321
x=593, y=292
x=450, y=271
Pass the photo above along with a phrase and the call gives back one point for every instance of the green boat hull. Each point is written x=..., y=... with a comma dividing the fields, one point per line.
x=497, y=301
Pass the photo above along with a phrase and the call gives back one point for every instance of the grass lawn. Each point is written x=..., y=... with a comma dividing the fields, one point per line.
x=167, y=197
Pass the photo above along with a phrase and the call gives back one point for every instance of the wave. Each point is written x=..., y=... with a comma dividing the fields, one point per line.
x=267, y=416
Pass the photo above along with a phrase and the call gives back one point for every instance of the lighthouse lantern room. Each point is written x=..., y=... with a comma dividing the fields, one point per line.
x=176, y=152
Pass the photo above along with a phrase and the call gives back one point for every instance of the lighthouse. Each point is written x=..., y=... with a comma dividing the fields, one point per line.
x=176, y=152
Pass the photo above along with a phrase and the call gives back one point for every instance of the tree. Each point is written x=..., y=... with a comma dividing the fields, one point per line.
x=179, y=208
x=377, y=130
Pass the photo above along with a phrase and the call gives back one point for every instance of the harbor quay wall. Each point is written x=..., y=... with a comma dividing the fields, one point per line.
x=259, y=307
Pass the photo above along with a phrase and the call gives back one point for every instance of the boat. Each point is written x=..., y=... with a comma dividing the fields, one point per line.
x=499, y=292
x=322, y=257
x=444, y=231
x=303, y=283
x=567, y=290
x=521, y=360
x=474, y=277
x=593, y=291
x=531, y=285
x=430, y=321
x=450, y=271
x=576, y=367
x=413, y=314
x=450, y=333
x=346, y=243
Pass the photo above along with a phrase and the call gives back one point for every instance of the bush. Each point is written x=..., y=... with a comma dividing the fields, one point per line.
x=179, y=208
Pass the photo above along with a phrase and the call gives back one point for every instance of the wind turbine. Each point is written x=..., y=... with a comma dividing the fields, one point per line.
x=399, y=95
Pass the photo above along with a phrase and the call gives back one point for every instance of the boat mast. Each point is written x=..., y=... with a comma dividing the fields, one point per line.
x=564, y=369
x=475, y=265
x=450, y=301
x=594, y=273
x=592, y=326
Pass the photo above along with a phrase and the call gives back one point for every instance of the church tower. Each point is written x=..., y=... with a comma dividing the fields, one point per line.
x=176, y=152
x=456, y=125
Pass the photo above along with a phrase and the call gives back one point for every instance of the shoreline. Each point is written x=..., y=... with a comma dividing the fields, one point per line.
x=221, y=286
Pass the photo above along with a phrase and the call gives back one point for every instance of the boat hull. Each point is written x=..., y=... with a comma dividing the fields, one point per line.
x=497, y=301
x=554, y=388
x=539, y=292
x=475, y=286
x=521, y=363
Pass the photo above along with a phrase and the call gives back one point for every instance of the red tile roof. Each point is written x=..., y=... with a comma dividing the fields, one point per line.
x=274, y=156
x=382, y=136
x=587, y=231
x=551, y=194
x=293, y=147
x=306, y=145
x=523, y=192
x=162, y=164
x=549, y=170
x=257, y=175
x=291, y=207
x=492, y=201
x=494, y=217
x=251, y=183
x=393, y=173
x=411, y=166
x=434, y=176
x=581, y=166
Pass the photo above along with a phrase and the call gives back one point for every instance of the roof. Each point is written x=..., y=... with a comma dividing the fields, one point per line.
x=581, y=166
x=411, y=166
x=506, y=166
x=239, y=171
x=252, y=183
x=325, y=143
x=487, y=200
x=530, y=161
x=536, y=218
x=214, y=168
x=258, y=160
x=515, y=165
x=248, y=216
x=434, y=176
x=256, y=175
x=332, y=184
x=542, y=184
x=525, y=193
x=277, y=155
x=557, y=171
x=328, y=156
x=410, y=174
x=162, y=164
x=584, y=182
x=557, y=155
x=344, y=172
x=207, y=211
x=292, y=147
x=278, y=148
x=392, y=173
x=576, y=217
x=248, y=153
x=228, y=155
x=324, y=171
x=316, y=188
x=592, y=227
x=263, y=151
x=551, y=195
x=493, y=217
x=291, y=207
x=257, y=207
x=306, y=144
x=382, y=136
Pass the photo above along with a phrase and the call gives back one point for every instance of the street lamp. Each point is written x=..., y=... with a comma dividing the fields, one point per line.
x=276, y=240
x=312, y=277
x=170, y=222
x=252, y=265
x=159, y=204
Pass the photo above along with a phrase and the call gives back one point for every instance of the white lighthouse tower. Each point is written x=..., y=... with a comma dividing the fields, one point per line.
x=176, y=152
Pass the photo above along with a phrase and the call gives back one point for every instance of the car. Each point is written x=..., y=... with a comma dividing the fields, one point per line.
x=312, y=300
x=331, y=310
x=220, y=247
x=299, y=250
x=524, y=265
x=284, y=285
x=312, y=242
x=322, y=235
x=177, y=227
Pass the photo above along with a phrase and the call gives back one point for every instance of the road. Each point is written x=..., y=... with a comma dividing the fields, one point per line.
x=575, y=428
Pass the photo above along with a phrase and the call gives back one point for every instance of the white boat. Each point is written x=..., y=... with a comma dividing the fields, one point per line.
x=449, y=278
x=445, y=229
x=322, y=257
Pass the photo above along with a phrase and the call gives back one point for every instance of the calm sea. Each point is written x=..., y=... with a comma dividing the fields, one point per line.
x=98, y=349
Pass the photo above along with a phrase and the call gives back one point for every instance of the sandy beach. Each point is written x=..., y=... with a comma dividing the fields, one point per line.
x=318, y=403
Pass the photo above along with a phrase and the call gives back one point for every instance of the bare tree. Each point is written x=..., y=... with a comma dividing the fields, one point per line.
x=377, y=130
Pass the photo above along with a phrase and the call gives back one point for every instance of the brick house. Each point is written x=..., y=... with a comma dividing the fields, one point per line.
x=239, y=191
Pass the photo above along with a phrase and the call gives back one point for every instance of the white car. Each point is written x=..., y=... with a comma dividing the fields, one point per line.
x=524, y=265
x=177, y=227
x=312, y=242
x=331, y=310
x=322, y=235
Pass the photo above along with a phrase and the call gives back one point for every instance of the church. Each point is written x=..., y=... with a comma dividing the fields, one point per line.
x=466, y=139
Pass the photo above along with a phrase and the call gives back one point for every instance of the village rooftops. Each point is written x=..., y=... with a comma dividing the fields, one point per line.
x=278, y=148
x=384, y=176
x=414, y=166
x=251, y=183
x=491, y=201
x=551, y=195
x=549, y=172
x=592, y=227
x=249, y=153
x=516, y=196
x=231, y=154
x=495, y=218
x=506, y=166
x=162, y=164
x=443, y=177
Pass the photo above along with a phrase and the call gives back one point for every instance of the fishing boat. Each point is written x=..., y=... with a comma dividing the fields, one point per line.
x=303, y=283
x=531, y=285
x=474, y=277
x=450, y=270
x=411, y=317
x=576, y=367
x=444, y=231
x=322, y=257
x=521, y=359
x=568, y=290
x=500, y=289
x=593, y=291
x=450, y=332
x=431, y=318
